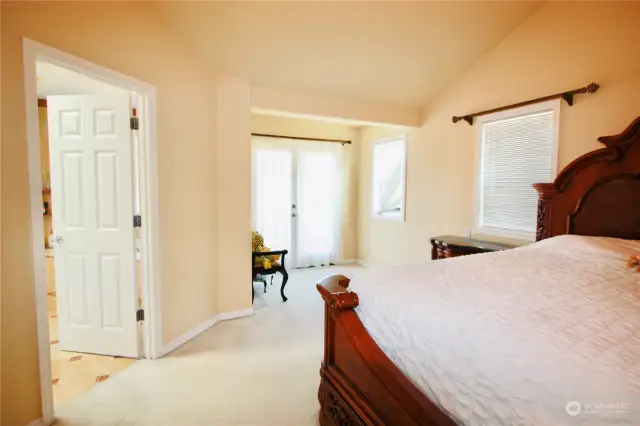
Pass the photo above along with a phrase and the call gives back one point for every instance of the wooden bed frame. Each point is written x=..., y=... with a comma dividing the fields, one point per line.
x=598, y=194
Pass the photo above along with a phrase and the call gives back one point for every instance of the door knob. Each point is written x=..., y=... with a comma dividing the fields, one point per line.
x=58, y=240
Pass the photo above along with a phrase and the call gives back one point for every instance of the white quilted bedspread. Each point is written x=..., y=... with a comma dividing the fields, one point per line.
x=510, y=338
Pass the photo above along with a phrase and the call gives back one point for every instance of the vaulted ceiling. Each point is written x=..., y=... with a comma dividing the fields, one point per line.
x=388, y=52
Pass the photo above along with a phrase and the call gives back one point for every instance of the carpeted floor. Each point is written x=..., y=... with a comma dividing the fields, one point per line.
x=260, y=370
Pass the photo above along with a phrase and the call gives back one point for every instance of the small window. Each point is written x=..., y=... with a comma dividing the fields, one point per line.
x=389, y=178
x=517, y=149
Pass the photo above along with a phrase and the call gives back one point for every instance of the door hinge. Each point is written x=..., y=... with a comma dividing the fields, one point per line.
x=135, y=123
x=140, y=315
x=137, y=221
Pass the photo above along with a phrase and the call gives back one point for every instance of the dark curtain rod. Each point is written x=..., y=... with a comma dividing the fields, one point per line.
x=567, y=96
x=299, y=138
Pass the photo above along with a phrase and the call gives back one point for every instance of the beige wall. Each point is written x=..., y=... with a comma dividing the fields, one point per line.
x=562, y=46
x=312, y=104
x=380, y=241
x=329, y=130
x=233, y=206
x=126, y=38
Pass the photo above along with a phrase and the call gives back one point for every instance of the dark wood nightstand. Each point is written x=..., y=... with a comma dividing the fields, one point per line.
x=445, y=246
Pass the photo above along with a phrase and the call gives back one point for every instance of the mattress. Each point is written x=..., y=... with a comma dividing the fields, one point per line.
x=547, y=334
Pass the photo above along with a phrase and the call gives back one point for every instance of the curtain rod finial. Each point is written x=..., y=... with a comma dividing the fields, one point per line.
x=592, y=87
x=466, y=118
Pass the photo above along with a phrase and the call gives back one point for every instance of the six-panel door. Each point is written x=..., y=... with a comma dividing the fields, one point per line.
x=92, y=205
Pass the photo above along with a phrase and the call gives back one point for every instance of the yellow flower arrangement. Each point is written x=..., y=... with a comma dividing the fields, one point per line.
x=257, y=245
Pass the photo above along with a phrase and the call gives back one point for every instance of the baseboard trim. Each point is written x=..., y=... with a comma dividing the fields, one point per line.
x=364, y=263
x=202, y=327
x=347, y=262
x=235, y=314
x=194, y=332
x=37, y=422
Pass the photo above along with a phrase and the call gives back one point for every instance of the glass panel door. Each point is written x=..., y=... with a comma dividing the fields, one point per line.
x=272, y=196
x=296, y=199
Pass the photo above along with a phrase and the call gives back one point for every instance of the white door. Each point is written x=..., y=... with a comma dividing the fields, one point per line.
x=92, y=206
x=318, y=204
x=273, y=198
x=296, y=199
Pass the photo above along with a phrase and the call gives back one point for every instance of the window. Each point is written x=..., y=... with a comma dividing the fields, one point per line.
x=517, y=149
x=388, y=178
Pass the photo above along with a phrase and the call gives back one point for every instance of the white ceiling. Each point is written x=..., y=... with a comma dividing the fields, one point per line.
x=400, y=53
x=55, y=80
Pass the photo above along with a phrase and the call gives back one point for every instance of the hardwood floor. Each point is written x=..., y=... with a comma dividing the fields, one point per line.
x=74, y=373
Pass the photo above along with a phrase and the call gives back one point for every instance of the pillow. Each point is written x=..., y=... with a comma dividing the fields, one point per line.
x=257, y=245
x=604, y=246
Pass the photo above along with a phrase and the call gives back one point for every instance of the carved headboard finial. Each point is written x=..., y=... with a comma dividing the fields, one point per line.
x=596, y=194
x=630, y=135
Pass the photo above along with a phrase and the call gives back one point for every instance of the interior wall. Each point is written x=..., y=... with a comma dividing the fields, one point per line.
x=562, y=46
x=233, y=206
x=103, y=33
x=374, y=231
x=310, y=128
x=312, y=104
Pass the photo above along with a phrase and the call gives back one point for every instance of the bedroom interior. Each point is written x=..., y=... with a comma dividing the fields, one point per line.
x=432, y=350
x=393, y=380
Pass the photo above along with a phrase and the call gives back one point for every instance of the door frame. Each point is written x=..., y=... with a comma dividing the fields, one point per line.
x=149, y=209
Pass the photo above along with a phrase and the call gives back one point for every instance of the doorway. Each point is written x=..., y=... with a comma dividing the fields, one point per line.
x=87, y=153
x=95, y=275
x=297, y=197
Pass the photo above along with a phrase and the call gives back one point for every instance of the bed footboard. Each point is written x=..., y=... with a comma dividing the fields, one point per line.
x=359, y=385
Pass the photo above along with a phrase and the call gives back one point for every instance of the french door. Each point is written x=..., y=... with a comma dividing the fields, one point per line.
x=296, y=199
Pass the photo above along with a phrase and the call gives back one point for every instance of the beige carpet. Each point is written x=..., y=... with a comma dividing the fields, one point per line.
x=260, y=370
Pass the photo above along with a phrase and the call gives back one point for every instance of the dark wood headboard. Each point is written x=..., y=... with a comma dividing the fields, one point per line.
x=597, y=194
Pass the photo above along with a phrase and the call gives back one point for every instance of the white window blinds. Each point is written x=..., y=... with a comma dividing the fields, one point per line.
x=516, y=152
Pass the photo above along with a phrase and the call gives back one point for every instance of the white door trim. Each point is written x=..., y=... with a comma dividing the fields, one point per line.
x=150, y=266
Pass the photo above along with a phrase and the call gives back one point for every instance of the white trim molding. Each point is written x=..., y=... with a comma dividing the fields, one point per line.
x=202, y=327
x=39, y=422
x=364, y=263
x=346, y=262
x=150, y=271
x=189, y=335
x=235, y=314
